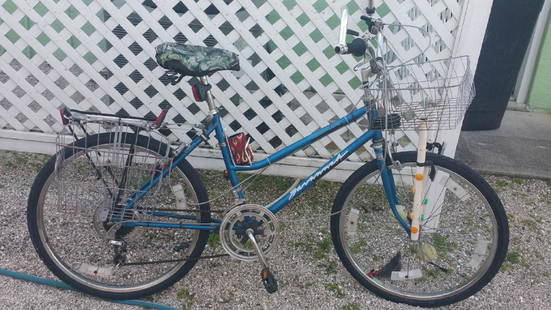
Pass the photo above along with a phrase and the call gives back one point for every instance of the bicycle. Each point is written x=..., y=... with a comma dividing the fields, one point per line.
x=412, y=227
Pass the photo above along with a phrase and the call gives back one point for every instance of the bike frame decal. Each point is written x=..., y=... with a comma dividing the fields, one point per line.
x=318, y=174
x=306, y=183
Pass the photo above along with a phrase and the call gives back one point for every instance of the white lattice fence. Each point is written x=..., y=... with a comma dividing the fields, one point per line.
x=99, y=55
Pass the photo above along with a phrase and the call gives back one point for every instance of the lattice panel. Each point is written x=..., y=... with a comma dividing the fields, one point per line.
x=99, y=55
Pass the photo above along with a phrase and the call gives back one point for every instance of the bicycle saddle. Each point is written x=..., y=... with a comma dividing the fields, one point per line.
x=195, y=60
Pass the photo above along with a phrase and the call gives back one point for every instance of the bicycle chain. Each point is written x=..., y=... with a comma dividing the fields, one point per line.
x=174, y=260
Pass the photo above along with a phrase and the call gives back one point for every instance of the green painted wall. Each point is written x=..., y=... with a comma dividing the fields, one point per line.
x=540, y=94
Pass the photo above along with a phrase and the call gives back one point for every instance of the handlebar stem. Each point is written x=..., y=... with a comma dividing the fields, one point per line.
x=370, y=8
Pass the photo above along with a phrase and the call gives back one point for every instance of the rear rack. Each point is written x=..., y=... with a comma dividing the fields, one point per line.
x=70, y=116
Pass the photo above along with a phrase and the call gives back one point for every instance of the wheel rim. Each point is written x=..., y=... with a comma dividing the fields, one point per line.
x=448, y=245
x=62, y=256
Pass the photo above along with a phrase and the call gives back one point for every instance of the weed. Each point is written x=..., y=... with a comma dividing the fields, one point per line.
x=357, y=246
x=513, y=257
x=326, y=185
x=335, y=289
x=351, y=306
x=530, y=224
x=442, y=244
x=510, y=217
x=299, y=244
x=213, y=240
x=324, y=247
x=308, y=284
x=306, y=243
x=500, y=185
x=330, y=267
x=188, y=299
x=505, y=266
x=518, y=181
x=262, y=182
x=433, y=272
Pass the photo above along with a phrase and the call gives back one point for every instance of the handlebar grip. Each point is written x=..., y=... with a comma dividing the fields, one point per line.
x=357, y=47
x=352, y=32
x=365, y=18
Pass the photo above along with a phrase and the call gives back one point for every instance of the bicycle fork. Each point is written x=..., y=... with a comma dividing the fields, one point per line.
x=416, y=216
x=387, y=180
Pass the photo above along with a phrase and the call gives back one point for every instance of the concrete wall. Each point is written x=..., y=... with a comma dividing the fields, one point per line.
x=540, y=93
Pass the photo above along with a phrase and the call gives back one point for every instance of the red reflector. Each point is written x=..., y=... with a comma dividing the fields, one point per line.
x=196, y=93
x=64, y=120
x=159, y=120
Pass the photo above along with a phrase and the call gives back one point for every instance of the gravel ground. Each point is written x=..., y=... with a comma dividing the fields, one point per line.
x=306, y=278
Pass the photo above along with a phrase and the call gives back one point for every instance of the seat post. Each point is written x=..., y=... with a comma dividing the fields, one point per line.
x=210, y=100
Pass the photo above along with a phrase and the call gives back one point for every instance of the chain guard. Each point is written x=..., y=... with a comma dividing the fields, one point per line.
x=233, y=235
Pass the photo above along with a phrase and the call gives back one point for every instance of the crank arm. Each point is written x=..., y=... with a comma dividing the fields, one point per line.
x=268, y=279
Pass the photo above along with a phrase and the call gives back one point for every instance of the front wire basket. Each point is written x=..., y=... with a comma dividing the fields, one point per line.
x=108, y=165
x=437, y=92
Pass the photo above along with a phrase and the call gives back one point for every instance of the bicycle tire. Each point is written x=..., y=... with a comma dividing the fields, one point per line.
x=369, y=260
x=56, y=257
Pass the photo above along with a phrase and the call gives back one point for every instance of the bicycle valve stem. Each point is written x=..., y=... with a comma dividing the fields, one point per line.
x=419, y=181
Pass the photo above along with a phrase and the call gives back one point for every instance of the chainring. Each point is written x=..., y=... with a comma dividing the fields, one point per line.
x=233, y=236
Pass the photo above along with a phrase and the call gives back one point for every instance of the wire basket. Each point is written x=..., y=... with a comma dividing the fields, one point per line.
x=102, y=165
x=432, y=95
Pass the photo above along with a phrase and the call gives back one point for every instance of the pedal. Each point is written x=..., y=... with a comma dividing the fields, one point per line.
x=269, y=281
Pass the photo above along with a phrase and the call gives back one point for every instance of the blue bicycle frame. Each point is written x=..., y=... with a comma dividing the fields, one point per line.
x=232, y=169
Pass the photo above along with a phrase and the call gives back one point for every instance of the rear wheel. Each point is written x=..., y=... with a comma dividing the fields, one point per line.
x=463, y=236
x=70, y=217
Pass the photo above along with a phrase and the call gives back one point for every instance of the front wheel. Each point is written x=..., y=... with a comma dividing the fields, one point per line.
x=463, y=235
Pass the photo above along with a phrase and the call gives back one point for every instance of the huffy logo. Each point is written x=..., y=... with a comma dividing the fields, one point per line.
x=318, y=174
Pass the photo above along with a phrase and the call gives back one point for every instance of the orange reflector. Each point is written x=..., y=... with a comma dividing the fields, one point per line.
x=264, y=273
x=419, y=177
x=414, y=229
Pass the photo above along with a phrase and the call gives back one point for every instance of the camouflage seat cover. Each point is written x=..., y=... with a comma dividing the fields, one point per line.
x=195, y=60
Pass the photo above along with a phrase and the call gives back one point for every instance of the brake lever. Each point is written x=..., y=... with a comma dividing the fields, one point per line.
x=374, y=25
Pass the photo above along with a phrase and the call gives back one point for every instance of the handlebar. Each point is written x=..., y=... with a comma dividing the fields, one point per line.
x=359, y=47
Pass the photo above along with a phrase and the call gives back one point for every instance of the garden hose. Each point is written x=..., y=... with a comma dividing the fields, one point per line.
x=59, y=284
